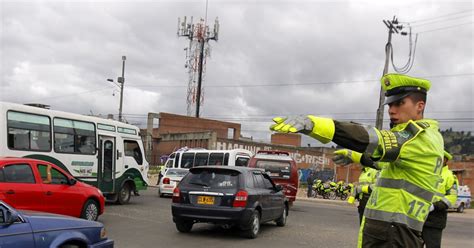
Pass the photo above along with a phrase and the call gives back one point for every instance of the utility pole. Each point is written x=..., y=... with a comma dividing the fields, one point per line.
x=199, y=36
x=198, y=94
x=392, y=28
x=120, y=83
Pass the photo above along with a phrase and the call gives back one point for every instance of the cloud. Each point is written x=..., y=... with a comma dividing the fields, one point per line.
x=61, y=53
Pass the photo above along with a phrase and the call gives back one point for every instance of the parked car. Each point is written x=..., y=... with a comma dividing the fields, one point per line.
x=281, y=168
x=170, y=180
x=232, y=196
x=36, y=229
x=30, y=184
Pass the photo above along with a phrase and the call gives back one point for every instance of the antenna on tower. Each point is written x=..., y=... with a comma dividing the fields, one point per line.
x=198, y=50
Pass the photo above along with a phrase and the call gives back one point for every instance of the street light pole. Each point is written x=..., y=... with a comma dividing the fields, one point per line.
x=121, y=81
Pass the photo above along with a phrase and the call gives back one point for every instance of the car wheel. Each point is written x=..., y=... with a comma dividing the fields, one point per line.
x=254, y=226
x=332, y=195
x=184, y=226
x=160, y=194
x=70, y=246
x=461, y=208
x=282, y=220
x=90, y=211
x=344, y=197
x=124, y=194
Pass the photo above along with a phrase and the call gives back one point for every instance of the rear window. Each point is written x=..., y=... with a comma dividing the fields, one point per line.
x=275, y=169
x=178, y=173
x=216, y=179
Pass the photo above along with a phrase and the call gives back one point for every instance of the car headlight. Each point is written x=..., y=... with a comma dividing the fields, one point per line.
x=103, y=233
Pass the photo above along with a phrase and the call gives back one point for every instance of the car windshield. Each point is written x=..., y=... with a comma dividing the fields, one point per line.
x=275, y=169
x=176, y=173
x=213, y=178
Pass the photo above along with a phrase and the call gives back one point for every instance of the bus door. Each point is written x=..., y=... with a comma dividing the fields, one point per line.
x=106, y=168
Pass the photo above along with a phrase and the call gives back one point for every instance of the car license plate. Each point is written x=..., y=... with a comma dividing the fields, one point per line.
x=207, y=200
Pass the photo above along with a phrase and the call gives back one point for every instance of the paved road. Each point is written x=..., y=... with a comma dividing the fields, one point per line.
x=146, y=222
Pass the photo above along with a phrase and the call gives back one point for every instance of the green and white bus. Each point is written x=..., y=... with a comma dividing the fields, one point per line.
x=104, y=153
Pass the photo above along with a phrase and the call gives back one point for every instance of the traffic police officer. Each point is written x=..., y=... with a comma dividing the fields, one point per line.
x=436, y=221
x=367, y=178
x=400, y=202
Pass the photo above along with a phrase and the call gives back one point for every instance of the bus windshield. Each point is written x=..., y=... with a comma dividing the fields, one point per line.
x=276, y=169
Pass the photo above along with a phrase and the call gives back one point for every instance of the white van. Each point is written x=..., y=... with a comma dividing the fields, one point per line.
x=464, y=199
x=187, y=158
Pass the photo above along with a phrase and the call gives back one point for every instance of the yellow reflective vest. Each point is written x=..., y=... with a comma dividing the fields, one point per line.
x=408, y=183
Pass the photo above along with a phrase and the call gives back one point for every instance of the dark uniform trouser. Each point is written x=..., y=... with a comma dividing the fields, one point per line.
x=433, y=228
x=432, y=236
x=361, y=207
x=310, y=190
x=384, y=234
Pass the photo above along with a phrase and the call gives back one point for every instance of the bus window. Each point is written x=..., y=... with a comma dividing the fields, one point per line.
x=132, y=149
x=201, y=159
x=226, y=158
x=169, y=163
x=176, y=161
x=71, y=136
x=242, y=161
x=216, y=158
x=276, y=169
x=187, y=160
x=28, y=132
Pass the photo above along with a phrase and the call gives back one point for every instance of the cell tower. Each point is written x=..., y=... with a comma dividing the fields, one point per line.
x=196, y=54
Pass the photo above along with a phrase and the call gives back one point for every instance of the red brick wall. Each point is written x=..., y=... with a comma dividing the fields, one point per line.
x=465, y=173
x=286, y=139
x=171, y=123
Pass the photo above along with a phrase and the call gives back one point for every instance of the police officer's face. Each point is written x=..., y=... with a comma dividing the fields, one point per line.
x=404, y=110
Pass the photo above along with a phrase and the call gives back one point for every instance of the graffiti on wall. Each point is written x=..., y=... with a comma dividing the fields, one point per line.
x=301, y=157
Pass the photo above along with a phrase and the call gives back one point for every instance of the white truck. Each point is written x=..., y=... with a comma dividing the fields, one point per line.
x=464, y=199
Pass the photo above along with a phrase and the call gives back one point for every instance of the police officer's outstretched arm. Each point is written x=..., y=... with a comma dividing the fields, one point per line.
x=376, y=144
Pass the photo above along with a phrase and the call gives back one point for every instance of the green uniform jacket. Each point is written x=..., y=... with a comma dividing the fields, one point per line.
x=368, y=176
x=410, y=179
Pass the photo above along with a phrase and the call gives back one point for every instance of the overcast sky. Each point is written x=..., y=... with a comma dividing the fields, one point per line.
x=60, y=53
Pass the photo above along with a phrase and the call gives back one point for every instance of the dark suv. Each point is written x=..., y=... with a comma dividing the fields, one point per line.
x=236, y=196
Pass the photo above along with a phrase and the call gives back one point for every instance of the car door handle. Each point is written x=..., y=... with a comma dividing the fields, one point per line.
x=10, y=192
x=49, y=193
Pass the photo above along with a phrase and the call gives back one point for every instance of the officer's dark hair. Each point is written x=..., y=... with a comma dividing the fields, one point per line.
x=417, y=97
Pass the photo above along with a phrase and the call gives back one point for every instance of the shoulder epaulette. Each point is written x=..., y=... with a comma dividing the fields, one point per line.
x=423, y=124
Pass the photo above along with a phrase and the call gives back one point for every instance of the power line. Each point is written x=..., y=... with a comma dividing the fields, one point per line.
x=440, y=17
x=74, y=94
x=294, y=84
x=443, y=28
x=436, y=21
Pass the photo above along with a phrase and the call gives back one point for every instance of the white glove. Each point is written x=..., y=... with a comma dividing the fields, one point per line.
x=431, y=208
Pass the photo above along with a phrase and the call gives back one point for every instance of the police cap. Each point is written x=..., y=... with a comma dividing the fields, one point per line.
x=398, y=86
